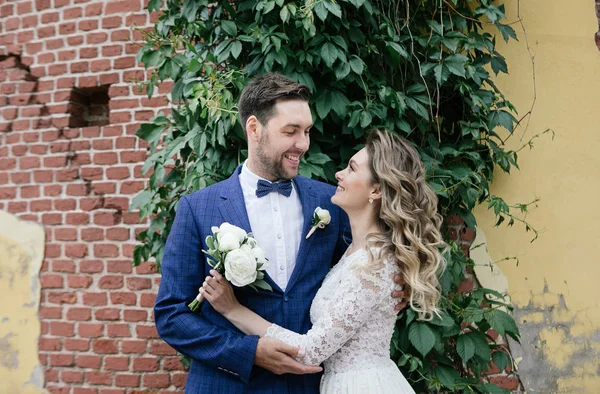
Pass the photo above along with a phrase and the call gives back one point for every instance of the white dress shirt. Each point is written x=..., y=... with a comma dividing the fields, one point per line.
x=276, y=223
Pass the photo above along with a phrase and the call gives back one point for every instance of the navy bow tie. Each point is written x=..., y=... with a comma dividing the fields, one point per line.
x=263, y=188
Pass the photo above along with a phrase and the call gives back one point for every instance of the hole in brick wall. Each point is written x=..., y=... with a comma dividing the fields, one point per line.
x=89, y=106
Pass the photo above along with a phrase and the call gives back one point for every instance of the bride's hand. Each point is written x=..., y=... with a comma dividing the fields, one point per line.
x=217, y=290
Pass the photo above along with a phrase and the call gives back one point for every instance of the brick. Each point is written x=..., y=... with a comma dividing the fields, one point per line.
x=51, y=281
x=51, y=375
x=100, y=65
x=118, y=7
x=62, y=298
x=85, y=361
x=90, y=330
x=110, y=282
x=17, y=207
x=29, y=162
x=107, y=314
x=79, y=314
x=178, y=379
x=116, y=363
x=110, y=78
x=133, y=157
x=138, y=283
x=71, y=376
x=98, y=378
x=8, y=193
x=117, y=172
x=118, y=330
x=92, y=234
x=118, y=203
x=49, y=344
x=78, y=219
x=133, y=346
x=107, y=218
x=37, y=205
x=63, y=266
x=62, y=360
x=119, y=266
x=94, y=299
x=161, y=348
x=62, y=329
x=145, y=364
x=148, y=300
x=135, y=315
x=505, y=382
x=91, y=203
x=104, y=346
x=127, y=380
x=79, y=282
x=78, y=345
x=88, y=25
x=106, y=250
x=52, y=250
x=148, y=332
x=172, y=364
x=124, y=298
x=91, y=174
x=52, y=190
x=93, y=9
x=132, y=187
x=80, y=67
x=76, y=250
x=65, y=234
x=91, y=266
x=159, y=380
x=106, y=158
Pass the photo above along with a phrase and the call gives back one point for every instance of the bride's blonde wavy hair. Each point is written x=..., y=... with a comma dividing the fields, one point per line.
x=409, y=219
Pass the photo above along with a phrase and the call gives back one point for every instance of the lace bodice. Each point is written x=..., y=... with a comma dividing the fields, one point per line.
x=352, y=315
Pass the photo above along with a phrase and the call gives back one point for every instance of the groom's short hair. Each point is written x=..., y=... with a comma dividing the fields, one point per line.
x=262, y=93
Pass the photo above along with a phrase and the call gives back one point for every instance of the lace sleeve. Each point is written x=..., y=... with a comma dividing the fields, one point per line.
x=362, y=288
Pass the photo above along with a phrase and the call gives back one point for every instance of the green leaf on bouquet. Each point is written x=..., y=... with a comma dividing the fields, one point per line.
x=210, y=242
x=261, y=284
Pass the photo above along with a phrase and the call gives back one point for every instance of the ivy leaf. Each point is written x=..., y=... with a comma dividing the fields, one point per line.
x=329, y=53
x=318, y=158
x=149, y=132
x=141, y=200
x=482, y=348
x=357, y=3
x=229, y=27
x=465, y=347
x=490, y=388
x=334, y=8
x=421, y=337
x=357, y=65
x=498, y=64
x=154, y=5
x=446, y=375
x=323, y=104
x=500, y=359
x=339, y=103
x=365, y=119
x=194, y=66
x=236, y=49
x=500, y=118
x=342, y=70
x=321, y=10
x=507, y=32
x=284, y=14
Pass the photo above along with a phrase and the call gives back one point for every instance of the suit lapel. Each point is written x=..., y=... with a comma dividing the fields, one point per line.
x=309, y=201
x=233, y=210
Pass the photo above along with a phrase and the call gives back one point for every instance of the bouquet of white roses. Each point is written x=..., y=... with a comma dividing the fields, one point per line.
x=235, y=254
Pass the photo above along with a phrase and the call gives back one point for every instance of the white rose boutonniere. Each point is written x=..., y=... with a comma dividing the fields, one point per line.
x=235, y=254
x=321, y=218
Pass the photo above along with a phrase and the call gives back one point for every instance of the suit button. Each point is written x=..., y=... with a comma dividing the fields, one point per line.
x=286, y=298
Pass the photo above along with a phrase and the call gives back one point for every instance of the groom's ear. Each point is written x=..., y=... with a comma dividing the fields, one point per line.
x=252, y=128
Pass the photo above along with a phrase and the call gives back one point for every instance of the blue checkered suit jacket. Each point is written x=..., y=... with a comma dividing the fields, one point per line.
x=223, y=356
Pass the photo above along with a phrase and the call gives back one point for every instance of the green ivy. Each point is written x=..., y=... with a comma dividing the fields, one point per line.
x=421, y=68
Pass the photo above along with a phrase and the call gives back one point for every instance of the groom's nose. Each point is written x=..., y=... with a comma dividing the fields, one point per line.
x=302, y=142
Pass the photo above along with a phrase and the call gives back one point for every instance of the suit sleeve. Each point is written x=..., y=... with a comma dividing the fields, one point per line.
x=188, y=333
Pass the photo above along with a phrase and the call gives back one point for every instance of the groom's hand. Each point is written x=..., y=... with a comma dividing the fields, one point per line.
x=399, y=295
x=279, y=358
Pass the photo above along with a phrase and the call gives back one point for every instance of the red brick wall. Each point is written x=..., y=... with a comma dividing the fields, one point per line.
x=98, y=335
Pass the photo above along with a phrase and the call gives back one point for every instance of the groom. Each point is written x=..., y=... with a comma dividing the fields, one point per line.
x=266, y=196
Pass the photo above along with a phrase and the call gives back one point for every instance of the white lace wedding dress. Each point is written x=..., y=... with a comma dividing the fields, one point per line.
x=353, y=319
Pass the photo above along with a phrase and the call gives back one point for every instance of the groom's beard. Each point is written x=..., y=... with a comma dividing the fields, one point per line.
x=273, y=163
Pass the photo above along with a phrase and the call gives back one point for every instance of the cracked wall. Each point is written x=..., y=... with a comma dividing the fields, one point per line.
x=554, y=287
x=21, y=254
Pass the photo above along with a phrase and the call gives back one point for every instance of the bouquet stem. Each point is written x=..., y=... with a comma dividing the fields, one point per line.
x=195, y=305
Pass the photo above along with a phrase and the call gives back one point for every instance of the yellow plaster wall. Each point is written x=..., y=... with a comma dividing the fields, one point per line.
x=556, y=285
x=21, y=255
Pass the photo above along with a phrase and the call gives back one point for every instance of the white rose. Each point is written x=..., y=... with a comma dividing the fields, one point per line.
x=214, y=229
x=227, y=228
x=240, y=267
x=228, y=241
x=323, y=215
x=259, y=254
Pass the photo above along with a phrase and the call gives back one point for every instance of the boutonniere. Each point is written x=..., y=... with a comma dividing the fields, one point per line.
x=321, y=218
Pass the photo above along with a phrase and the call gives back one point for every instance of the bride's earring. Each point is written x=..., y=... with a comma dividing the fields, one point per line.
x=370, y=201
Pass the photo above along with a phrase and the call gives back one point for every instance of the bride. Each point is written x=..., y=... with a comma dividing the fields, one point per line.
x=395, y=229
